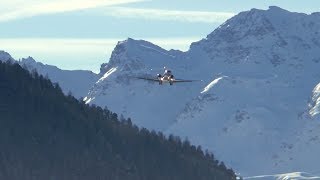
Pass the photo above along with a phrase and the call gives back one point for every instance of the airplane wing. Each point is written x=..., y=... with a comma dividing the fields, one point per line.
x=148, y=79
x=184, y=80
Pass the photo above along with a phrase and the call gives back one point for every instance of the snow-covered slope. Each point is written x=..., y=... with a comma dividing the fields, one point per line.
x=287, y=176
x=259, y=113
x=257, y=107
x=78, y=82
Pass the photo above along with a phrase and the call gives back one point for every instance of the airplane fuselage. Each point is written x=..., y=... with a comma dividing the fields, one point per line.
x=166, y=78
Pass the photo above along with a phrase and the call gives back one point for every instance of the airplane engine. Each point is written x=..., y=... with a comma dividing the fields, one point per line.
x=159, y=75
x=171, y=76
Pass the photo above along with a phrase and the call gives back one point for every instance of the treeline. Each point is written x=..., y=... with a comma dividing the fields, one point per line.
x=47, y=135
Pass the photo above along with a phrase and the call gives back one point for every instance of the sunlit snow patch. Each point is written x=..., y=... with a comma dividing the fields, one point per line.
x=210, y=85
x=88, y=100
x=112, y=70
x=316, y=101
x=287, y=176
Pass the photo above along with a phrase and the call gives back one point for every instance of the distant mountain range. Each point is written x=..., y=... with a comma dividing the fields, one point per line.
x=76, y=82
x=257, y=107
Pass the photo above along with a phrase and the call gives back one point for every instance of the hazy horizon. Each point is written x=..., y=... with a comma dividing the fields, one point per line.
x=79, y=53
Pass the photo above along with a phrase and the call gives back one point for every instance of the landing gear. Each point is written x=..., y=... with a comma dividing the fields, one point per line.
x=159, y=77
x=171, y=80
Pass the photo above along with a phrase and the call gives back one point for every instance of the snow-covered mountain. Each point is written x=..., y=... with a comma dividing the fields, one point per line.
x=78, y=82
x=257, y=107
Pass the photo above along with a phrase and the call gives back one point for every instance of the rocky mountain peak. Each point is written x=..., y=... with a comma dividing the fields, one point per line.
x=133, y=55
x=28, y=60
x=264, y=33
x=4, y=56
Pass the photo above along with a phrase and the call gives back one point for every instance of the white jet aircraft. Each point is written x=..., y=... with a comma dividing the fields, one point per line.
x=166, y=77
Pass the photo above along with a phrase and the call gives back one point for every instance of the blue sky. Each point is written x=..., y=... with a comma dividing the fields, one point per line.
x=80, y=34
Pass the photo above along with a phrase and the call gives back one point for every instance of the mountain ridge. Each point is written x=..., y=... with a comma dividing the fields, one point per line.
x=77, y=82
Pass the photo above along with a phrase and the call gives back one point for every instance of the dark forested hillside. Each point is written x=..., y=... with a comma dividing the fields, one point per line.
x=46, y=135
